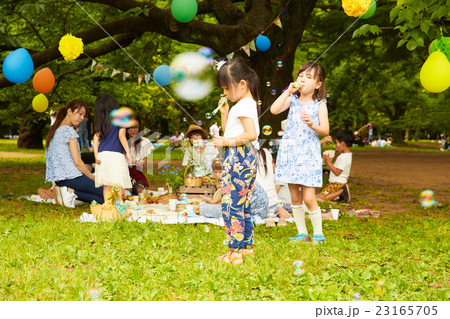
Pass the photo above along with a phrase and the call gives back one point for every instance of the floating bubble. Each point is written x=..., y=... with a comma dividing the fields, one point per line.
x=207, y=229
x=356, y=296
x=225, y=242
x=184, y=119
x=273, y=92
x=193, y=76
x=200, y=122
x=122, y=117
x=208, y=116
x=189, y=240
x=259, y=102
x=267, y=129
x=280, y=64
x=270, y=143
x=206, y=51
x=297, y=263
x=94, y=293
x=268, y=84
x=280, y=133
x=201, y=266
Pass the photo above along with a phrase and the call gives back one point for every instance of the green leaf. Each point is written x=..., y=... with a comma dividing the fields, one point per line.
x=441, y=12
x=401, y=42
x=394, y=13
x=411, y=45
x=424, y=27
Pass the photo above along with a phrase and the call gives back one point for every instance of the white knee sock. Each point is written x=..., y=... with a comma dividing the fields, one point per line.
x=316, y=220
x=299, y=216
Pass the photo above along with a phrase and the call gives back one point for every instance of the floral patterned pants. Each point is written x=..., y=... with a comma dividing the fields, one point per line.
x=238, y=182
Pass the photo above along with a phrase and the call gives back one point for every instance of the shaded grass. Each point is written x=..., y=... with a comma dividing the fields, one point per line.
x=48, y=255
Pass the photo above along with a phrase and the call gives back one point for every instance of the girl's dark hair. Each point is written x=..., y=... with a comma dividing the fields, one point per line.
x=104, y=104
x=235, y=70
x=73, y=105
x=261, y=154
x=319, y=75
x=345, y=136
x=137, y=141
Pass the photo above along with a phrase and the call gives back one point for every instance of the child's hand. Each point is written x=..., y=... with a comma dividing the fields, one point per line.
x=218, y=141
x=98, y=161
x=306, y=118
x=327, y=139
x=326, y=159
x=204, y=198
x=129, y=158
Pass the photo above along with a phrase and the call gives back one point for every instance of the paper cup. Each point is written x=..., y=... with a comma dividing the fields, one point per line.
x=334, y=213
x=173, y=204
x=161, y=189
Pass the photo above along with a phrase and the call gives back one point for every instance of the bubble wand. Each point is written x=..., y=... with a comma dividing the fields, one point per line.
x=218, y=108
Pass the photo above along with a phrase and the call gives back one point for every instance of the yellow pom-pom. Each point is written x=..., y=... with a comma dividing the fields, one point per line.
x=355, y=8
x=70, y=47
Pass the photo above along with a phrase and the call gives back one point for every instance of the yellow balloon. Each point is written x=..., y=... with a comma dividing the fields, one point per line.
x=435, y=73
x=40, y=103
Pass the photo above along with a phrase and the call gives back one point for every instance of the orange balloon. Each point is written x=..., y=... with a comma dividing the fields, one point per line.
x=44, y=80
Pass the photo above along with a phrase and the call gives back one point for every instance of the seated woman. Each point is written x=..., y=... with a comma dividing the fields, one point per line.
x=140, y=149
x=201, y=153
x=62, y=156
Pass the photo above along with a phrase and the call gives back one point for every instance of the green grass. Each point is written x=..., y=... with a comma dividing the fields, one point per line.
x=48, y=255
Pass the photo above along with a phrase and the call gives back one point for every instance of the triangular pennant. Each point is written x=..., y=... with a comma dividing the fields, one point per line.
x=140, y=77
x=246, y=49
x=105, y=68
x=114, y=72
x=252, y=45
x=125, y=75
x=277, y=22
x=94, y=63
x=230, y=56
x=98, y=67
x=147, y=78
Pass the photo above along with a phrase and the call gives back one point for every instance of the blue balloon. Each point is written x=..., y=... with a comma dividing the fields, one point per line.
x=262, y=43
x=163, y=75
x=18, y=66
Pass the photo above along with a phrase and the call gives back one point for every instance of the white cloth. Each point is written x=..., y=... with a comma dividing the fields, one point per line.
x=112, y=171
x=284, y=194
x=139, y=152
x=214, y=130
x=266, y=179
x=176, y=139
x=244, y=108
x=344, y=163
x=204, y=160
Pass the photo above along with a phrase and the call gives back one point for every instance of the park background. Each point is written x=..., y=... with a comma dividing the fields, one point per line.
x=372, y=76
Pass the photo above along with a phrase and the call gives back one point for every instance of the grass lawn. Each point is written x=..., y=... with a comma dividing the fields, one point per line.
x=48, y=255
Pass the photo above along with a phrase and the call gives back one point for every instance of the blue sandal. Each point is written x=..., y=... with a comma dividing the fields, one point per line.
x=318, y=239
x=300, y=238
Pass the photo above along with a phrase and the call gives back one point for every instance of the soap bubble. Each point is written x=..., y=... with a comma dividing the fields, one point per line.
x=206, y=229
x=208, y=116
x=356, y=296
x=206, y=51
x=268, y=84
x=273, y=92
x=280, y=64
x=94, y=293
x=184, y=119
x=201, y=266
x=122, y=117
x=267, y=129
x=270, y=143
x=225, y=242
x=259, y=102
x=193, y=74
x=200, y=122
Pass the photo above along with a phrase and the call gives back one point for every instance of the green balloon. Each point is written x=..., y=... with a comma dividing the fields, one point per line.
x=442, y=45
x=184, y=10
x=370, y=11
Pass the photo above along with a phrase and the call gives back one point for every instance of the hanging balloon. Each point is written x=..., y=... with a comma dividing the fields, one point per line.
x=262, y=43
x=18, y=66
x=184, y=10
x=163, y=75
x=435, y=73
x=40, y=103
x=44, y=80
x=355, y=8
x=371, y=11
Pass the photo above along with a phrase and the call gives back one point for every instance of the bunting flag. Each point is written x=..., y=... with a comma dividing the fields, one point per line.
x=98, y=67
x=125, y=75
x=277, y=22
x=147, y=78
x=252, y=45
x=230, y=56
x=114, y=72
x=94, y=63
x=140, y=77
x=246, y=49
x=105, y=68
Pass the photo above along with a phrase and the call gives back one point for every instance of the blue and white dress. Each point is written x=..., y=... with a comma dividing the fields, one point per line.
x=299, y=158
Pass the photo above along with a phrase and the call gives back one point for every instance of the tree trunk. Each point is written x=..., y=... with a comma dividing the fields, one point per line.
x=397, y=137
x=31, y=138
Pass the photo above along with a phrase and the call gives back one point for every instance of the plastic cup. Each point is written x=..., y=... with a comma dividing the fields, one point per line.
x=173, y=204
x=334, y=213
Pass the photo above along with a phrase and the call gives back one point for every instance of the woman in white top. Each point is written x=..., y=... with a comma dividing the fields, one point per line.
x=140, y=149
x=201, y=153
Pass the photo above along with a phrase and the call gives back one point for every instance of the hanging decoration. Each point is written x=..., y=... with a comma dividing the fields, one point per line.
x=435, y=73
x=70, y=47
x=262, y=43
x=44, y=80
x=371, y=11
x=355, y=8
x=442, y=45
x=40, y=103
x=184, y=10
x=18, y=66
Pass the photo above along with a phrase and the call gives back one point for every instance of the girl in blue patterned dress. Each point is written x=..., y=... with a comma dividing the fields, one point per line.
x=110, y=144
x=299, y=161
x=240, y=84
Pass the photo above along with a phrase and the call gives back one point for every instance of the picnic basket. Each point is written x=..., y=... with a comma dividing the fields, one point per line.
x=192, y=181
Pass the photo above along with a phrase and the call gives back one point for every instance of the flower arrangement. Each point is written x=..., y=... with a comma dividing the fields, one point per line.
x=355, y=8
x=173, y=177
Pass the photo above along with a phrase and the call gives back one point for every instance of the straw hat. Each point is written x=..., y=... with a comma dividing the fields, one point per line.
x=194, y=127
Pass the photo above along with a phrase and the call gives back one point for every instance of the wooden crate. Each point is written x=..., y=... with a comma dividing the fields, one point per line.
x=207, y=189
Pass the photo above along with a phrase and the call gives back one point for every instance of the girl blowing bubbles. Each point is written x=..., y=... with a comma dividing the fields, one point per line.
x=240, y=84
x=110, y=142
x=299, y=161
